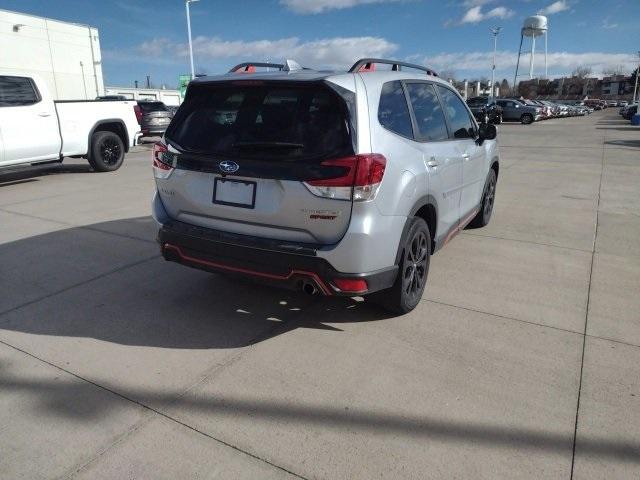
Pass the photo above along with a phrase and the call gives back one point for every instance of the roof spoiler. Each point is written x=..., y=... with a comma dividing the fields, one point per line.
x=368, y=65
x=250, y=67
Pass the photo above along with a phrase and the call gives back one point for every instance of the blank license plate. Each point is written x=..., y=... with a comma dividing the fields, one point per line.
x=237, y=193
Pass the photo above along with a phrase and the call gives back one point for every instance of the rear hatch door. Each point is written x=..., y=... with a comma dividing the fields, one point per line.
x=242, y=151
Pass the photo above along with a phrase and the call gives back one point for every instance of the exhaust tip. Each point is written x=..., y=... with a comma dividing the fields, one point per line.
x=309, y=288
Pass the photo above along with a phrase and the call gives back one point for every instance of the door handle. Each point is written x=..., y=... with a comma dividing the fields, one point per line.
x=44, y=114
x=466, y=156
x=432, y=163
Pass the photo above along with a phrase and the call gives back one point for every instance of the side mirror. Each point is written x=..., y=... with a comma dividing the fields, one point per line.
x=486, y=131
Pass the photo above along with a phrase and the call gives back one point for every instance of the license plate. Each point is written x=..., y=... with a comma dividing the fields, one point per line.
x=236, y=193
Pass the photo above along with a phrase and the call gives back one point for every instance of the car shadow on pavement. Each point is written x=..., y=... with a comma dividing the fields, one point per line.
x=624, y=143
x=105, y=281
x=29, y=174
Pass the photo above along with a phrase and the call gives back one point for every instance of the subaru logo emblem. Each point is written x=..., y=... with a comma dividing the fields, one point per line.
x=227, y=166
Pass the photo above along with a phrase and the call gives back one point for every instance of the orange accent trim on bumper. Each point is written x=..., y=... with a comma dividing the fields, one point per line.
x=246, y=271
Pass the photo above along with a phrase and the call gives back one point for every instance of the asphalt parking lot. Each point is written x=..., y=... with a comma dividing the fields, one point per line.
x=520, y=362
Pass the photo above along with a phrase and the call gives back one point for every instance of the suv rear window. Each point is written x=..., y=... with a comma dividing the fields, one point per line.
x=265, y=121
x=148, y=107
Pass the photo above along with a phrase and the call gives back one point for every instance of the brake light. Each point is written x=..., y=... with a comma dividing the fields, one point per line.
x=138, y=112
x=351, y=285
x=358, y=180
x=162, y=164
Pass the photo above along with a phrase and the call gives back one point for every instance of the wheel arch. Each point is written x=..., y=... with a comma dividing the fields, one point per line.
x=426, y=208
x=114, y=125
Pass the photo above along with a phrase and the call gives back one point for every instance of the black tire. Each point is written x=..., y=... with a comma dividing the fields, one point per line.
x=107, y=152
x=526, y=119
x=498, y=120
x=488, y=200
x=406, y=292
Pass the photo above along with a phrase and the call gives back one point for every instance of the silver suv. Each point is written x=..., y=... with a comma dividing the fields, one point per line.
x=337, y=183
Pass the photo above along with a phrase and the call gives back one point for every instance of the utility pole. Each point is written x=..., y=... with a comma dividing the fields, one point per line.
x=635, y=89
x=148, y=81
x=495, y=31
x=186, y=4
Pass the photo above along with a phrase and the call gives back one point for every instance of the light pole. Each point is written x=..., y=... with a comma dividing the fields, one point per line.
x=186, y=5
x=494, y=31
x=635, y=88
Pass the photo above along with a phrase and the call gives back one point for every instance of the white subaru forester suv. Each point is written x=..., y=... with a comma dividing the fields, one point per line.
x=336, y=183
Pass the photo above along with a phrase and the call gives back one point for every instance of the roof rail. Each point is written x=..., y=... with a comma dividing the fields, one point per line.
x=366, y=64
x=249, y=67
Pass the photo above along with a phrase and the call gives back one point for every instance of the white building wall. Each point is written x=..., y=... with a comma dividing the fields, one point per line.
x=65, y=55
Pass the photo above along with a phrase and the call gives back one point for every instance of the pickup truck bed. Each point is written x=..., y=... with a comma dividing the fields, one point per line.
x=36, y=129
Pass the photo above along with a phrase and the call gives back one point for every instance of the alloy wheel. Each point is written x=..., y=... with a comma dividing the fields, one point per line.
x=415, y=266
x=110, y=151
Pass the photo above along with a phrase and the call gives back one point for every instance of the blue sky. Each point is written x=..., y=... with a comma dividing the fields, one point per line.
x=148, y=37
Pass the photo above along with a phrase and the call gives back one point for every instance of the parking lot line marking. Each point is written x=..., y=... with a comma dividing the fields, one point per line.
x=586, y=315
x=150, y=409
x=524, y=241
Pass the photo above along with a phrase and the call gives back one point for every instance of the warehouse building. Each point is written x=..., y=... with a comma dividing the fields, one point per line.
x=65, y=55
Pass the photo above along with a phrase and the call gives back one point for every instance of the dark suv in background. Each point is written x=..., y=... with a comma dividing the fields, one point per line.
x=153, y=117
x=485, y=110
x=513, y=109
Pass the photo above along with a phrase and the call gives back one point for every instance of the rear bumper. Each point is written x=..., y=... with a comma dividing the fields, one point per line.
x=149, y=130
x=285, y=264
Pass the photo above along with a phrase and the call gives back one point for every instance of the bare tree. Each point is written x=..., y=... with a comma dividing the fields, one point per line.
x=582, y=72
x=505, y=88
x=448, y=74
x=613, y=71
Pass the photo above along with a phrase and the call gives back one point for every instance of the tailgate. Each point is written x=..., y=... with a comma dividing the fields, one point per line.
x=243, y=151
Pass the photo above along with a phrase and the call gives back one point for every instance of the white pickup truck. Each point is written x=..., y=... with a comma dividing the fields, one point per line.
x=35, y=129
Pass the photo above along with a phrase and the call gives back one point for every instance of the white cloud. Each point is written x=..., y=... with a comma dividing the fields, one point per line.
x=337, y=52
x=606, y=24
x=559, y=62
x=306, y=7
x=475, y=14
x=555, y=7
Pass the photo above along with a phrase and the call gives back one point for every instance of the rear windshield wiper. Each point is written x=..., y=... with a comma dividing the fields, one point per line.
x=267, y=145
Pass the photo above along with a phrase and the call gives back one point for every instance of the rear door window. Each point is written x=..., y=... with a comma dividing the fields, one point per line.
x=264, y=121
x=457, y=113
x=427, y=111
x=17, y=91
x=393, y=112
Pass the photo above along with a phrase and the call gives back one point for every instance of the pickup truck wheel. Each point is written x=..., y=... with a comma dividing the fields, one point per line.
x=488, y=199
x=406, y=292
x=107, y=152
x=526, y=119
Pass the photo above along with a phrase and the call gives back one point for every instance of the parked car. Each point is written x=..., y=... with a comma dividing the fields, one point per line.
x=630, y=112
x=154, y=117
x=513, y=109
x=624, y=110
x=339, y=183
x=485, y=111
x=36, y=129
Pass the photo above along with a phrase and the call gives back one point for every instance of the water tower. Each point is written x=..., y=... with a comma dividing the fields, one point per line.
x=533, y=27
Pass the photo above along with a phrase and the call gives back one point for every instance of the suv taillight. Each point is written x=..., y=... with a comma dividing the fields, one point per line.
x=162, y=165
x=359, y=181
x=138, y=112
